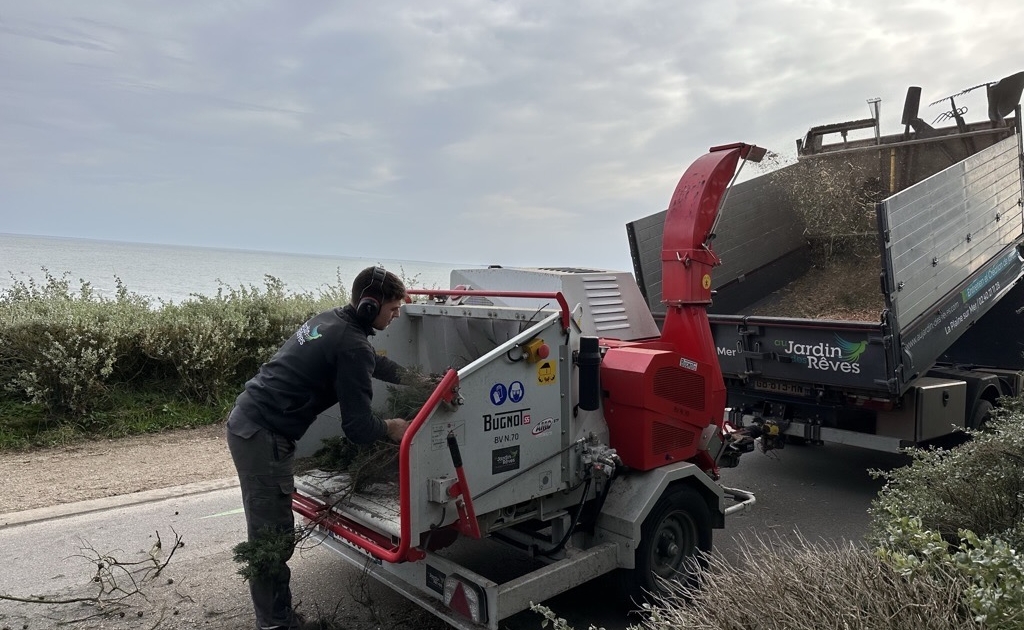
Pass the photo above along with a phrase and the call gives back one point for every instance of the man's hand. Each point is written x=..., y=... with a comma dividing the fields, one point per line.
x=396, y=428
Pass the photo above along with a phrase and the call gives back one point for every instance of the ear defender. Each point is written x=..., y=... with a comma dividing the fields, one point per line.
x=369, y=306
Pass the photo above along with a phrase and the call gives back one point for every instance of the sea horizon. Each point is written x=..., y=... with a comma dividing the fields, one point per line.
x=224, y=248
x=174, y=273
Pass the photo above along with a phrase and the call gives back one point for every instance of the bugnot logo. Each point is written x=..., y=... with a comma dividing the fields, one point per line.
x=507, y=420
x=842, y=357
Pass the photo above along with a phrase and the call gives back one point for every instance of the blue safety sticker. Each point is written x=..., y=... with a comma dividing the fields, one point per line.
x=499, y=393
x=516, y=391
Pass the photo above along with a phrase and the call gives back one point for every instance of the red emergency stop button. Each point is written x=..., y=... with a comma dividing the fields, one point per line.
x=536, y=350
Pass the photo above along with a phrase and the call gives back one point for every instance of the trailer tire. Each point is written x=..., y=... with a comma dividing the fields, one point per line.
x=674, y=539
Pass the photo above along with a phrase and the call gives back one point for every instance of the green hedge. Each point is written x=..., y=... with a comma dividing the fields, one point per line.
x=68, y=355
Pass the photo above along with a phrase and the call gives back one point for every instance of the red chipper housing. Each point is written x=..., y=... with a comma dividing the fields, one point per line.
x=662, y=395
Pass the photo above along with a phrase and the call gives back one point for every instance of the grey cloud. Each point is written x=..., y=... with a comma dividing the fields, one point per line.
x=456, y=122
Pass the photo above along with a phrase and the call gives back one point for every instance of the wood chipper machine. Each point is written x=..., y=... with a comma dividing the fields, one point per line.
x=568, y=432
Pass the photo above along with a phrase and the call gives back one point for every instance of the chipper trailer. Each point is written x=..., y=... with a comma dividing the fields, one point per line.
x=567, y=431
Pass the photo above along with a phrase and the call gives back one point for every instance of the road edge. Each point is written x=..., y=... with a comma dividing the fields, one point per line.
x=64, y=510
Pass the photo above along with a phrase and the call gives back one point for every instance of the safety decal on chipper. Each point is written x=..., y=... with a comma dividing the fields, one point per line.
x=546, y=373
x=439, y=435
x=688, y=364
x=513, y=392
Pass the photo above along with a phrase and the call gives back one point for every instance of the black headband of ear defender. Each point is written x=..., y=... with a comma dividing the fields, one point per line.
x=369, y=306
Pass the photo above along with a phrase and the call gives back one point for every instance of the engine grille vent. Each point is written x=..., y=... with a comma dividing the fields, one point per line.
x=666, y=438
x=680, y=386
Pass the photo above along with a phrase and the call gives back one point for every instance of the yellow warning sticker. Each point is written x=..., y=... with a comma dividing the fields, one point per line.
x=706, y=281
x=546, y=373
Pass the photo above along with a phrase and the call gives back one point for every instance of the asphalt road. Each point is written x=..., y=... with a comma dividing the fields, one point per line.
x=823, y=492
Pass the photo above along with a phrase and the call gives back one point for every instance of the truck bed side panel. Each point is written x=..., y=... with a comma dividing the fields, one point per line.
x=985, y=345
x=945, y=228
x=950, y=248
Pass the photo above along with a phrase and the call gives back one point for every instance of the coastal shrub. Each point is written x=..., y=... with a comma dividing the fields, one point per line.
x=197, y=340
x=990, y=571
x=977, y=486
x=62, y=346
x=214, y=343
x=270, y=315
x=962, y=509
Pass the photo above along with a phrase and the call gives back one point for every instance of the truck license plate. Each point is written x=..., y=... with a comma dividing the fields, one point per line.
x=782, y=387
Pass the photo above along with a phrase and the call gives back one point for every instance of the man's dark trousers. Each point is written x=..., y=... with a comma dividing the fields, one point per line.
x=265, y=465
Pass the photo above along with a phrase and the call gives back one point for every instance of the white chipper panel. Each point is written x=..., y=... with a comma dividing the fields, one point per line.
x=511, y=418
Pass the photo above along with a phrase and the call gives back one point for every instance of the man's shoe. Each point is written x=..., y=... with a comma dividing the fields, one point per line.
x=298, y=622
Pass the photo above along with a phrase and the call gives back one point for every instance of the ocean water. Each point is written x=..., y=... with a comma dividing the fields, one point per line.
x=174, y=273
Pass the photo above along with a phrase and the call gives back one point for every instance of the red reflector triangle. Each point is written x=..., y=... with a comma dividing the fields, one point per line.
x=459, y=602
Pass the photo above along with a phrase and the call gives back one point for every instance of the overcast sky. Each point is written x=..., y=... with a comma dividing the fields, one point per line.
x=463, y=131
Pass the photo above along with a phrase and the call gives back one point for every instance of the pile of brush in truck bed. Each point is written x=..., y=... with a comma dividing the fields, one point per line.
x=836, y=202
x=845, y=290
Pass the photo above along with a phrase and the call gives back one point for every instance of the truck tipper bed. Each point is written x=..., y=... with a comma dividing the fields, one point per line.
x=949, y=250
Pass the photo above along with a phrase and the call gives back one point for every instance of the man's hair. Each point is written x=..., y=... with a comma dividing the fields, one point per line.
x=392, y=288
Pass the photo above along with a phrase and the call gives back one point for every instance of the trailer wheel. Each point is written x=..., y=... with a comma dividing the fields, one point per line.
x=673, y=536
x=981, y=414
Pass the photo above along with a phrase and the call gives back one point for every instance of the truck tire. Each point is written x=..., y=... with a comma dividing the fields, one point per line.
x=981, y=414
x=673, y=540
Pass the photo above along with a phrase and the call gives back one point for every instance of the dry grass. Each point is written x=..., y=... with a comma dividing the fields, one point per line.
x=799, y=585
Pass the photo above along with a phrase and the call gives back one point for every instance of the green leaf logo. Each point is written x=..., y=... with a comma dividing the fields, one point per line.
x=851, y=350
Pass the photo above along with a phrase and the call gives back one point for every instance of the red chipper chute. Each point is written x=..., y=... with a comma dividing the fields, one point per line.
x=665, y=397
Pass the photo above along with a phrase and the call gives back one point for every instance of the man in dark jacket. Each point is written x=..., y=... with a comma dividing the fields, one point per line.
x=328, y=360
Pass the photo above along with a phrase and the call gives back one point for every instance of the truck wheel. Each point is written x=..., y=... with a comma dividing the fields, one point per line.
x=673, y=536
x=981, y=414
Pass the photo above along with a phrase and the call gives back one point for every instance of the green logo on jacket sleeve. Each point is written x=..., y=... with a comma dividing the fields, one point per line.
x=304, y=333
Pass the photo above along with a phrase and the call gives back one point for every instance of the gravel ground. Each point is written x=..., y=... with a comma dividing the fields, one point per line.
x=106, y=468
